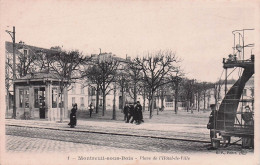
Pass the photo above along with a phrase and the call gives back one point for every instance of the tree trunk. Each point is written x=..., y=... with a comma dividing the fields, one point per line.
x=7, y=102
x=176, y=99
x=152, y=105
x=204, y=100
x=61, y=111
x=123, y=99
x=104, y=103
x=144, y=101
x=198, y=100
x=114, y=104
x=97, y=99
x=162, y=98
x=104, y=96
x=204, y=94
x=149, y=103
x=135, y=97
x=187, y=105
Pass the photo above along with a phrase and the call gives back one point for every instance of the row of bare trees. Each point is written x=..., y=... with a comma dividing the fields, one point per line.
x=140, y=76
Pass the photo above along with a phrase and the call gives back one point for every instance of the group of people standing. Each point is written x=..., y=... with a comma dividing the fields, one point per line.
x=133, y=113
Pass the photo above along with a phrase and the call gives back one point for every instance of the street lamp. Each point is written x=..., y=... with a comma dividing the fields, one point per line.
x=12, y=34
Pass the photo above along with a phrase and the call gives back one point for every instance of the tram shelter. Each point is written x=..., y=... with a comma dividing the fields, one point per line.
x=38, y=96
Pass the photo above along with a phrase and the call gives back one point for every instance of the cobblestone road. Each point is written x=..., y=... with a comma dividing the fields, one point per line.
x=18, y=144
x=21, y=139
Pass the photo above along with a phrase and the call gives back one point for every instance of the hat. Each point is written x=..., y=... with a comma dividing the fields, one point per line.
x=212, y=105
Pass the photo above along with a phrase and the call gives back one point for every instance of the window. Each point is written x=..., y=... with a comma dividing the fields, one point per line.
x=61, y=103
x=82, y=101
x=54, y=97
x=82, y=89
x=73, y=88
x=21, y=98
x=73, y=100
x=36, y=98
x=244, y=92
x=93, y=91
x=25, y=52
x=100, y=102
x=39, y=97
x=24, y=98
x=252, y=92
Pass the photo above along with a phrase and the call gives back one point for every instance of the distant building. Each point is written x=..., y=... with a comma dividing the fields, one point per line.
x=247, y=97
x=78, y=93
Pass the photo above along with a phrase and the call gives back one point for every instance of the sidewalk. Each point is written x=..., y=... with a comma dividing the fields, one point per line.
x=169, y=131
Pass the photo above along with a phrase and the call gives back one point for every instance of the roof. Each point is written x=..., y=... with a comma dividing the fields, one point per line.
x=39, y=76
x=31, y=49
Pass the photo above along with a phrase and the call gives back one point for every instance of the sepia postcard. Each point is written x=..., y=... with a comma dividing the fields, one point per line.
x=129, y=82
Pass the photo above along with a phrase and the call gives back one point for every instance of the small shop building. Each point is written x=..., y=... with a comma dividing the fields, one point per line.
x=38, y=96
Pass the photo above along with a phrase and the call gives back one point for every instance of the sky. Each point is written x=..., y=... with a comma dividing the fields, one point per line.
x=199, y=32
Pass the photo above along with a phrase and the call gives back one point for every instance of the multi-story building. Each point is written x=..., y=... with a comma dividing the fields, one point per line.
x=247, y=97
x=78, y=93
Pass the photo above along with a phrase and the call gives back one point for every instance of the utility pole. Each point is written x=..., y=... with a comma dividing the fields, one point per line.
x=7, y=85
x=12, y=34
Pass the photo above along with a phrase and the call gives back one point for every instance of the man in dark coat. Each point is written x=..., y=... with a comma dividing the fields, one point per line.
x=90, y=109
x=126, y=112
x=73, y=118
x=139, y=112
x=247, y=116
x=212, y=124
x=132, y=114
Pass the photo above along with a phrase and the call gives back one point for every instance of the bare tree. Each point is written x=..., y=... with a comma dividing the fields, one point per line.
x=134, y=78
x=155, y=68
x=205, y=86
x=187, y=92
x=26, y=57
x=67, y=66
x=93, y=74
x=122, y=81
x=108, y=70
x=175, y=80
x=8, y=81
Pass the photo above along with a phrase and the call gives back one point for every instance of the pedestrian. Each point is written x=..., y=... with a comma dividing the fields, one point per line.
x=212, y=124
x=139, y=112
x=235, y=58
x=126, y=112
x=90, y=109
x=247, y=116
x=133, y=114
x=73, y=118
x=230, y=58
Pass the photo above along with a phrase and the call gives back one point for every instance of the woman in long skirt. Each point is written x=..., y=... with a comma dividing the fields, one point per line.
x=73, y=118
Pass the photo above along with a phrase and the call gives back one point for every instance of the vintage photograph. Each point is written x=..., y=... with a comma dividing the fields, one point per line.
x=129, y=82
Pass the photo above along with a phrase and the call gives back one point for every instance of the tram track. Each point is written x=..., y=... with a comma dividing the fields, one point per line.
x=118, y=140
x=112, y=133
